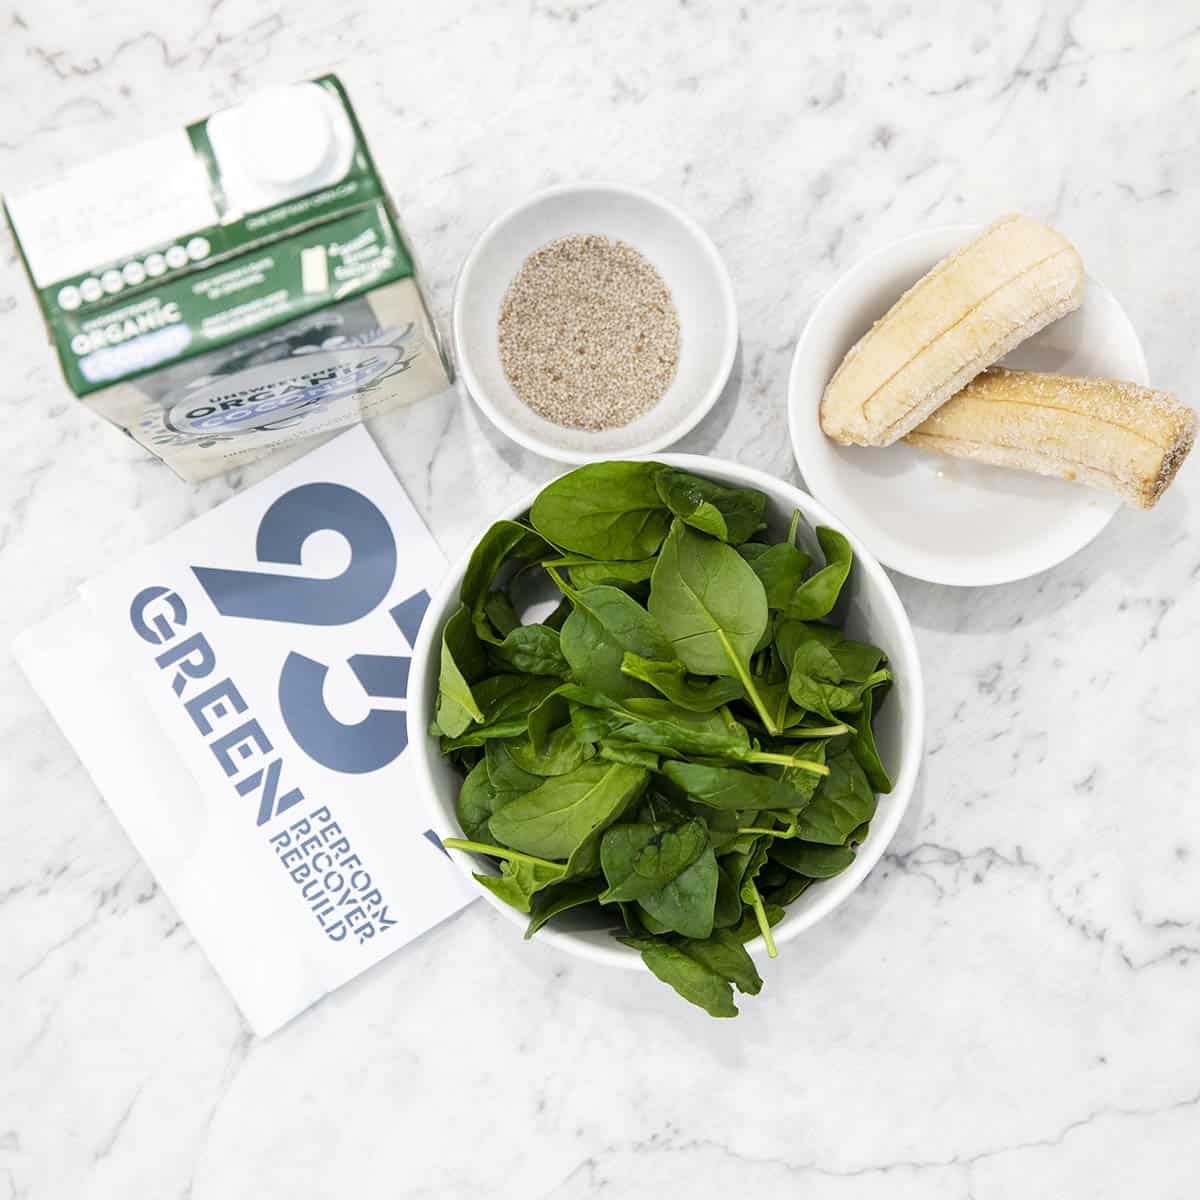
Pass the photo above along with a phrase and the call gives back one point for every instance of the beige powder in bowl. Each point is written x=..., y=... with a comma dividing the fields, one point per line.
x=589, y=335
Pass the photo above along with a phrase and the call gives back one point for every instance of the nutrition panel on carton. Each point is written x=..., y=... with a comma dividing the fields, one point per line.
x=232, y=286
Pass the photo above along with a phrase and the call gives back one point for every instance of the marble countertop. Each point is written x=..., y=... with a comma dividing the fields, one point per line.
x=1008, y=1006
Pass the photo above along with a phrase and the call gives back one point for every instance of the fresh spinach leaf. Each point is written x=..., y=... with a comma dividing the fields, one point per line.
x=817, y=595
x=555, y=819
x=503, y=542
x=856, y=661
x=709, y=602
x=801, y=781
x=572, y=893
x=560, y=753
x=685, y=904
x=551, y=714
x=780, y=569
x=783, y=895
x=588, y=572
x=727, y=910
x=596, y=724
x=634, y=756
x=772, y=875
x=674, y=732
x=731, y=514
x=506, y=702
x=498, y=608
x=814, y=677
x=477, y=800
x=692, y=979
x=818, y=662
x=552, y=747
x=657, y=725
x=632, y=922
x=519, y=880
x=531, y=650
x=812, y=859
x=683, y=498
x=649, y=923
x=725, y=955
x=726, y=825
x=672, y=680
x=608, y=510
x=656, y=808
x=702, y=970
x=606, y=624
x=462, y=663
x=843, y=801
x=640, y=859
x=506, y=776
x=731, y=787
x=862, y=741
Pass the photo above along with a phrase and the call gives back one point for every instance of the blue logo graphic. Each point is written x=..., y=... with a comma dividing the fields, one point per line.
x=382, y=735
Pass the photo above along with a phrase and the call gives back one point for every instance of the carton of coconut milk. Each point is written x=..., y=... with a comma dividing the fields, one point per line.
x=233, y=286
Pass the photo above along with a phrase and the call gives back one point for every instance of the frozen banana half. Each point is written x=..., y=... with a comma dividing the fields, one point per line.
x=1013, y=279
x=1127, y=439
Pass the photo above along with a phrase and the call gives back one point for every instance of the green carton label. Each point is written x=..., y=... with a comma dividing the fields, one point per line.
x=178, y=277
x=244, y=294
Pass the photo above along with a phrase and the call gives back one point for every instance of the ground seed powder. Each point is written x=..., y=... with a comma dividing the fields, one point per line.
x=589, y=335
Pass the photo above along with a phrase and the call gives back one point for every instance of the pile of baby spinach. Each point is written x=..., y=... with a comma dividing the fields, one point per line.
x=684, y=744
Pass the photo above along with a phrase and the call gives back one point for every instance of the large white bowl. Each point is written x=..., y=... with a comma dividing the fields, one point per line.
x=681, y=252
x=942, y=519
x=873, y=613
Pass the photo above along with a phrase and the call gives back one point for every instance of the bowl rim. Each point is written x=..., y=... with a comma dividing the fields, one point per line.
x=833, y=299
x=694, y=413
x=833, y=891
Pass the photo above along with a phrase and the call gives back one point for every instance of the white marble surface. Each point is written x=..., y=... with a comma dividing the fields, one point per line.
x=1008, y=1007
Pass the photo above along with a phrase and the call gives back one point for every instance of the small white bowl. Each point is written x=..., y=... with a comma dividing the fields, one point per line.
x=873, y=613
x=938, y=518
x=681, y=252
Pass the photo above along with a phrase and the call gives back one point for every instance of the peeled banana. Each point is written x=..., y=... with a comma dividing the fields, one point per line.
x=1127, y=439
x=1013, y=279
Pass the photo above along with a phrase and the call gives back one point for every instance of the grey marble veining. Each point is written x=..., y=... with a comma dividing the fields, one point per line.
x=1008, y=1006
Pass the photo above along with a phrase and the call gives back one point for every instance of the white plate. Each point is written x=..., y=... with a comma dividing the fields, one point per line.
x=681, y=252
x=931, y=516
